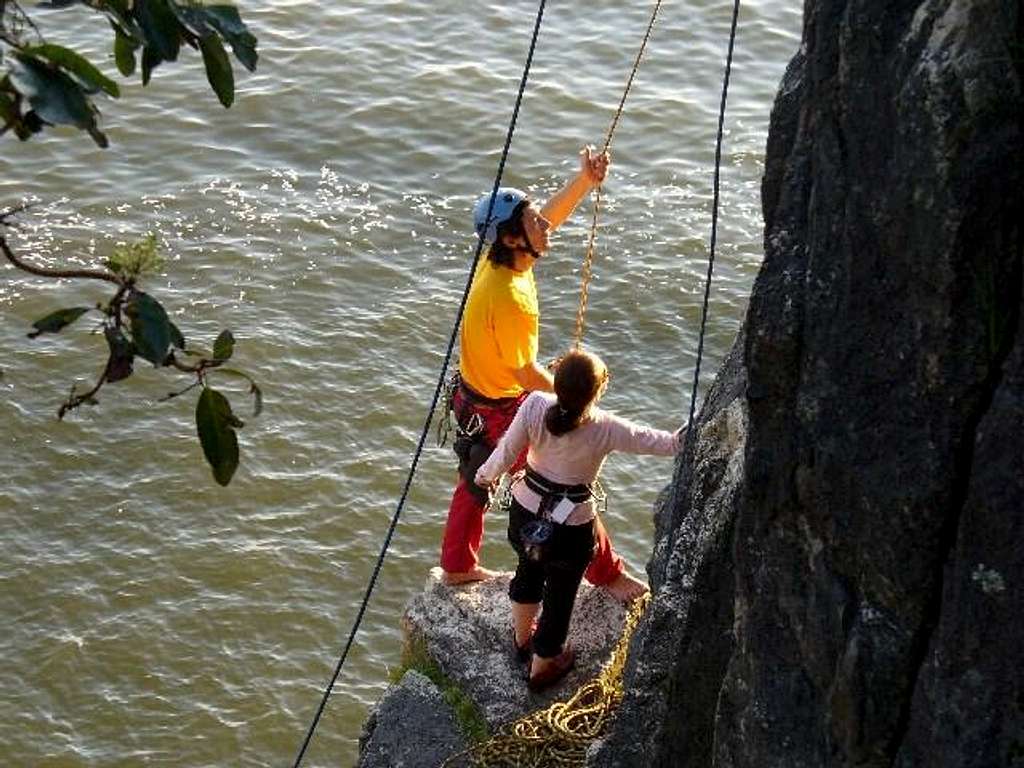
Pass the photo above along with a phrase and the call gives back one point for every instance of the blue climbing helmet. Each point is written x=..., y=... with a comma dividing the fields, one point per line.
x=504, y=206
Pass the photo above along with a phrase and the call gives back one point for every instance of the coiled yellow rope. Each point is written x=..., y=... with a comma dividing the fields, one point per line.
x=560, y=734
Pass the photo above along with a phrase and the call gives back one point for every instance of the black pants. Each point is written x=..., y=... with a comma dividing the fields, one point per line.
x=553, y=580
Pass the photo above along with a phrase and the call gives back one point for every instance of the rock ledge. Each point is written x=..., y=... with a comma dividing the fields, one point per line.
x=467, y=630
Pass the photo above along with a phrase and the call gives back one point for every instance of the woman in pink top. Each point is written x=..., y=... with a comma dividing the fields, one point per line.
x=551, y=519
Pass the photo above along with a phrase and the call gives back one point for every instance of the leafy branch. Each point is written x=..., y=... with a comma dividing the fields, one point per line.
x=48, y=84
x=43, y=84
x=136, y=325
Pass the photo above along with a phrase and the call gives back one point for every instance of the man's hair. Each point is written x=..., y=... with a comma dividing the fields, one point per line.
x=500, y=253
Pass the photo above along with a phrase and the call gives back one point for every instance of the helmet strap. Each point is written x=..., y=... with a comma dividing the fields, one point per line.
x=529, y=247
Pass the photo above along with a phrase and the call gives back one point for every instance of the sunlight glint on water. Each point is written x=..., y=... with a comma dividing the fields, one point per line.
x=154, y=618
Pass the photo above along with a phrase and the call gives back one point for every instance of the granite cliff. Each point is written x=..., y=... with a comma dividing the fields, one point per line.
x=838, y=571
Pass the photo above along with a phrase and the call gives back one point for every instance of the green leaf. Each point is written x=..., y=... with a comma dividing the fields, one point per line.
x=224, y=346
x=57, y=321
x=53, y=95
x=216, y=426
x=151, y=328
x=177, y=338
x=124, y=52
x=8, y=110
x=76, y=64
x=150, y=58
x=218, y=68
x=98, y=136
x=226, y=20
x=193, y=18
x=120, y=17
x=120, y=6
x=161, y=30
x=257, y=396
x=122, y=355
x=132, y=260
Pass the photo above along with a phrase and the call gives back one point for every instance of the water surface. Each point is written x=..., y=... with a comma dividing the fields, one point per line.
x=154, y=618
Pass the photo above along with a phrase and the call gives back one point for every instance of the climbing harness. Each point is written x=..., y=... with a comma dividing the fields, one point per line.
x=472, y=448
x=586, y=271
x=557, y=500
x=472, y=444
x=559, y=735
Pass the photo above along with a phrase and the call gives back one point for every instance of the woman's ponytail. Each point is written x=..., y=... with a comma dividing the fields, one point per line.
x=560, y=420
x=578, y=380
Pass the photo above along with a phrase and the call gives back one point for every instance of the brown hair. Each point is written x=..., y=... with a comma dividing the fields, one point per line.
x=500, y=253
x=578, y=380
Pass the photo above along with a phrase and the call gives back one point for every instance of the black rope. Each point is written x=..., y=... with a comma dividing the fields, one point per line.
x=714, y=217
x=437, y=393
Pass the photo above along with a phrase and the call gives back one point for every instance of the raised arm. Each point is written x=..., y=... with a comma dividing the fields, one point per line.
x=593, y=169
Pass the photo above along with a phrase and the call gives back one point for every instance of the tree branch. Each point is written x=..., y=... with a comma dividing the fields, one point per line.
x=74, y=400
x=87, y=274
x=189, y=388
x=17, y=16
x=204, y=364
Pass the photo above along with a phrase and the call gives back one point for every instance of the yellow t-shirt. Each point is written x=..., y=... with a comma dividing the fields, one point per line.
x=499, y=329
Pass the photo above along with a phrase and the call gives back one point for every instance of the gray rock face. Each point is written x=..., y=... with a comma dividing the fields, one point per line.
x=468, y=632
x=680, y=649
x=846, y=594
x=412, y=726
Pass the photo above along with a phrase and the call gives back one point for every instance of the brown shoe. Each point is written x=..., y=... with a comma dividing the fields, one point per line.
x=524, y=652
x=559, y=668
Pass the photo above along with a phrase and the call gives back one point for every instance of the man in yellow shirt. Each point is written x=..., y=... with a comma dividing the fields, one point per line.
x=498, y=363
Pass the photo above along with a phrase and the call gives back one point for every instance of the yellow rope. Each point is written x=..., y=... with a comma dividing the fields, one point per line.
x=560, y=734
x=588, y=260
x=586, y=271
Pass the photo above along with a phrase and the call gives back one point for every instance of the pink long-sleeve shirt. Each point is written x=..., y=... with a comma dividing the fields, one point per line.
x=573, y=458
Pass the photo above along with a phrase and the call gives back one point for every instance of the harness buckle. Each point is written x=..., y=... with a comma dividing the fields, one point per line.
x=535, y=536
x=444, y=424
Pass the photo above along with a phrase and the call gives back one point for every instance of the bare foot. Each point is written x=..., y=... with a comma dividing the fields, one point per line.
x=626, y=588
x=465, y=577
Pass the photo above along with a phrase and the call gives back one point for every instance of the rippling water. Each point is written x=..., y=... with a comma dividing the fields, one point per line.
x=153, y=618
